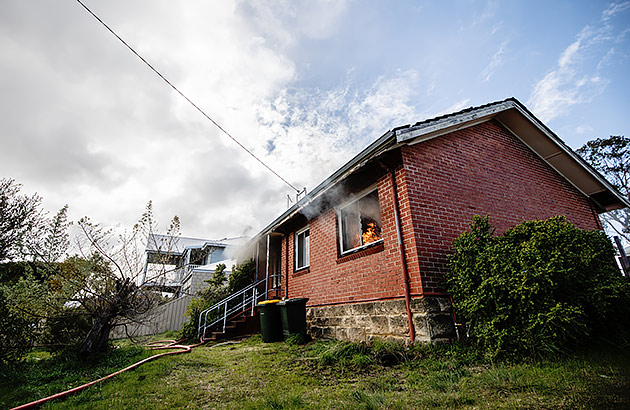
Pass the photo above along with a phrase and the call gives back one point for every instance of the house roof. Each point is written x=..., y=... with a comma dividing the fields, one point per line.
x=515, y=117
x=532, y=132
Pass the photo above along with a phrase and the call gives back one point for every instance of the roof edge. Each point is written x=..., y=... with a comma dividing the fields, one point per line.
x=455, y=120
x=428, y=128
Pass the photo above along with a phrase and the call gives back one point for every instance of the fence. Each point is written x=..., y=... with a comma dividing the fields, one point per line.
x=169, y=316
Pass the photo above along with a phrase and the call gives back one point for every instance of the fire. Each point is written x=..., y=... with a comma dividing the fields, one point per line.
x=372, y=233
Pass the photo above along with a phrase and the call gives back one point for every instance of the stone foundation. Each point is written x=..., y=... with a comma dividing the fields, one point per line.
x=385, y=320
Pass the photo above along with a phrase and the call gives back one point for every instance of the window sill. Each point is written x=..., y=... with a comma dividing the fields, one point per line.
x=301, y=271
x=361, y=252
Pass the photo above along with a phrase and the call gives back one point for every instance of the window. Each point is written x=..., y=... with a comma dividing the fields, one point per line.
x=302, y=249
x=360, y=222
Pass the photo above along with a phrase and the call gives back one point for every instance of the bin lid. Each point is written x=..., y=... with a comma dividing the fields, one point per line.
x=268, y=302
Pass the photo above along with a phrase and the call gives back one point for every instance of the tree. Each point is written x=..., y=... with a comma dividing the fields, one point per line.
x=21, y=221
x=112, y=293
x=16, y=335
x=611, y=157
x=29, y=246
x=53, y=298
x=218, y=276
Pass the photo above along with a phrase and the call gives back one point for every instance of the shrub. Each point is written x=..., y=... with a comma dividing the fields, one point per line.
x=204, y=300
x=242, y=275
x=16, y=333
x=542, y=287
x=65, y=331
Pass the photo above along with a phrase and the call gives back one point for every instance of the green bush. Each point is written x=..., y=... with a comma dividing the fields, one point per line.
x=16, y=332
x=242, y=275
x=542, y=287
x=65, y=331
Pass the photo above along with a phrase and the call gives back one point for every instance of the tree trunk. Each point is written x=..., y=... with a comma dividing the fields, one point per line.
x=97, y=338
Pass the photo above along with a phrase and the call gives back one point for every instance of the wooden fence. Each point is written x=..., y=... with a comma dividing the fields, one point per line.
x=169, y=316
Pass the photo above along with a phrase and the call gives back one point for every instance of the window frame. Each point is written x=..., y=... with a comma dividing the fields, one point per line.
x=307, y=251
x=339, y=211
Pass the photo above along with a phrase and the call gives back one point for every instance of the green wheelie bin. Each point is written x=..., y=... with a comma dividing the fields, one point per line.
x=293, y=316
x=270, y=321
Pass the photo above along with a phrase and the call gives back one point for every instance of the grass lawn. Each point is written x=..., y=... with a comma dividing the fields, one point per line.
x=323, y=375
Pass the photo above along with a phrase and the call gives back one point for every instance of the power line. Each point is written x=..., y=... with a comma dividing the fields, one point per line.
x=184, y=96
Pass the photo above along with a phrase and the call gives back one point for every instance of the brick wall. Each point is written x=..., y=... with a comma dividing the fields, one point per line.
x=442, y=183
x=371, y=274
x=482, y=170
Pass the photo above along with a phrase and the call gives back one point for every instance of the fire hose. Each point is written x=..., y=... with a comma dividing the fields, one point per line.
x=157, y=345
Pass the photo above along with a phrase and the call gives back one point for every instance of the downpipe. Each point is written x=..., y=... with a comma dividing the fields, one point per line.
x=403, y=259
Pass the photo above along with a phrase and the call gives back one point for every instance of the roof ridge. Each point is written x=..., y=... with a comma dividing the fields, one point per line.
x=463, y=111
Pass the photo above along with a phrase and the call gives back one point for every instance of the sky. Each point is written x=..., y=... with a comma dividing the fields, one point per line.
x=305, y=85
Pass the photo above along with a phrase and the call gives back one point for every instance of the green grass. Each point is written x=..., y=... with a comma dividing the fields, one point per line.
x=324, y=375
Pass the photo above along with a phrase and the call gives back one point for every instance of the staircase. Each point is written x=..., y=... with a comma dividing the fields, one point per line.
x=239, y=326
x=235, y=315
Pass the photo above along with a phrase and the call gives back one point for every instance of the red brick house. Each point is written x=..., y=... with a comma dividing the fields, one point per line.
x=369, y=245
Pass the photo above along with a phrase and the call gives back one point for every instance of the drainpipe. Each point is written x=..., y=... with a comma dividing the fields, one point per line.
x=403, y=259
x=267, y=269
x=286, y=264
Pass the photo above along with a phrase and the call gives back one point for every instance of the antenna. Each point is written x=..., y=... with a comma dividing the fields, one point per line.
x=299, y=195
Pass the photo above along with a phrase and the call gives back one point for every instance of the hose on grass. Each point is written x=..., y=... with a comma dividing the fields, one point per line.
x=157, y=345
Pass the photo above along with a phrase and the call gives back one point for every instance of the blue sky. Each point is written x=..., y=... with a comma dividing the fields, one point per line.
x=303, y=84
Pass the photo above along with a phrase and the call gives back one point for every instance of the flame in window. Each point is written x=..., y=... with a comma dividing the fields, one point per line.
x=371, y=232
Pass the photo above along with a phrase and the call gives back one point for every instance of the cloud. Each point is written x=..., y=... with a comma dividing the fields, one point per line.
x=495, y=62
x=613, y=9
x=89, y=125
x=283, y=23
x=577, y=77
x=314, y=131
x=583, y=129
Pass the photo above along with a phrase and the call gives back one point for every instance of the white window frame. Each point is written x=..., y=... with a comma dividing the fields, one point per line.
x=339, y=211
x=307, y=250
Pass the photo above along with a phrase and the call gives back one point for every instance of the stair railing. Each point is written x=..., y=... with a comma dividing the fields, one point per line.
x=238, y=302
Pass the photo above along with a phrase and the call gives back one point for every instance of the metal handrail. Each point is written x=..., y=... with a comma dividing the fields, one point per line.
x=250, y=298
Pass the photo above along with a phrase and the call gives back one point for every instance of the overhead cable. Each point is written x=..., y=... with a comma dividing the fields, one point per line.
x=184, y=96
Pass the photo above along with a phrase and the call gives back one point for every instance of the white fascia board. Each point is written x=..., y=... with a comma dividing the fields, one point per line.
x=438, y=127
